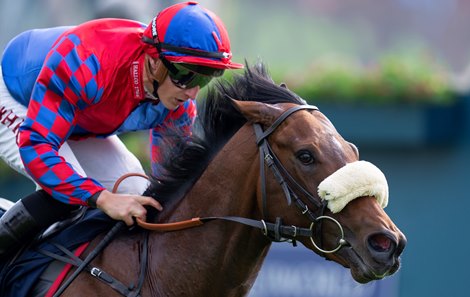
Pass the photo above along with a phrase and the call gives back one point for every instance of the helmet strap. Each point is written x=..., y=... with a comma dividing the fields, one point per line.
x=155, y=89
x=161, y=47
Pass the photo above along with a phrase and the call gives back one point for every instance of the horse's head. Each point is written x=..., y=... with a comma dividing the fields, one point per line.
x=344, y=213
x=308, y=176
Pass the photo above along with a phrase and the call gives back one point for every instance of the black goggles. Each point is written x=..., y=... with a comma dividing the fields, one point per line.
x=188, y=76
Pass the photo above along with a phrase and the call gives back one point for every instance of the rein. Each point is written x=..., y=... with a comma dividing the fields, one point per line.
x=84, y=265
x=274, y=231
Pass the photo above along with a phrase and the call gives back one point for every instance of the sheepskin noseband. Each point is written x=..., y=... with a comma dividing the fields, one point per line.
x=354, y=180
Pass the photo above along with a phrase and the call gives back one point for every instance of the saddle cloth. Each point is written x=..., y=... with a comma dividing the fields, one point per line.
x=17, y=279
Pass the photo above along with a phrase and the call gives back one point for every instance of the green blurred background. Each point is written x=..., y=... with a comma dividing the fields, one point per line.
x=393, y=77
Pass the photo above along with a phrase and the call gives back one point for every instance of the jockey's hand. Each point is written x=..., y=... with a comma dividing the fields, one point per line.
x=124, y=206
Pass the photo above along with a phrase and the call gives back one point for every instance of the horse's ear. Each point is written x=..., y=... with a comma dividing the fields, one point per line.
x=257, y=112
x=284, y=85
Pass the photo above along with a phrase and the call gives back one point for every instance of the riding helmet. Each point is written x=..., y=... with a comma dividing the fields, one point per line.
x=188, y=33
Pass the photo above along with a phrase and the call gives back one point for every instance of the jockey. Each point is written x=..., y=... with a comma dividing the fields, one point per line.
x=66, y=92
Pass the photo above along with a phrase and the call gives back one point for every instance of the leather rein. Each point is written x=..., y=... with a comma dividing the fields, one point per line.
x=274, y=231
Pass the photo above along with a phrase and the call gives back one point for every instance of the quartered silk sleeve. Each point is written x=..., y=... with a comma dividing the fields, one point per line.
x=182, y=119
x=67, y=84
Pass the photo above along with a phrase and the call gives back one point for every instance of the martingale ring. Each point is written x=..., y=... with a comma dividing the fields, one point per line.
x=341, y=241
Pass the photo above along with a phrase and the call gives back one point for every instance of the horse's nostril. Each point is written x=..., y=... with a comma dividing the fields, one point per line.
x=380, y=243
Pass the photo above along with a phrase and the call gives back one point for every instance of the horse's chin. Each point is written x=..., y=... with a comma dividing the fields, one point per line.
x=361, y=270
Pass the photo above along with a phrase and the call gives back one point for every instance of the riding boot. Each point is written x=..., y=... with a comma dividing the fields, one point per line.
x=17, y=227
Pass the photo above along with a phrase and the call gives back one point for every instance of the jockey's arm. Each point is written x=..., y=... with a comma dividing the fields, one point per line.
x=182, y=119
x=49, y=123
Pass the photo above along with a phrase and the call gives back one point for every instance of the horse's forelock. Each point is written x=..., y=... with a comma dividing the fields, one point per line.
x=256, y=84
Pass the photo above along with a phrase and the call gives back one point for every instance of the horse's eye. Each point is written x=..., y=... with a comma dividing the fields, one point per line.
x=305, y=157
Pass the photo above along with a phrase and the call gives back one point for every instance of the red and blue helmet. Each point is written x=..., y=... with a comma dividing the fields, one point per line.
x=188, y=33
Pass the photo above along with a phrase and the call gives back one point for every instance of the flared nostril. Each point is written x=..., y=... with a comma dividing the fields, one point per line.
x=381, y=243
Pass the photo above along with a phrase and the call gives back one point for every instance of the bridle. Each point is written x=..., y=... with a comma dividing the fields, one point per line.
x=274, y=231
x=286, y=181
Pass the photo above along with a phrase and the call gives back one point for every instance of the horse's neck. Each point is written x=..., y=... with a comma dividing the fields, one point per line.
x=219, y=258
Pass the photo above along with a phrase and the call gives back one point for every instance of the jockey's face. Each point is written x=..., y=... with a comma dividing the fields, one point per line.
x=172, y=96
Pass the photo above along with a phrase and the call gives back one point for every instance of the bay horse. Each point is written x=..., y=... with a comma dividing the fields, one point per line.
x=261, y=166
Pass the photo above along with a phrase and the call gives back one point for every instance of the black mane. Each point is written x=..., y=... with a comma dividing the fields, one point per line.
x=217, y=122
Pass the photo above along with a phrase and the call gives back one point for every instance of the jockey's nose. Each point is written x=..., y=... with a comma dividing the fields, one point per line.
x=192, y=92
